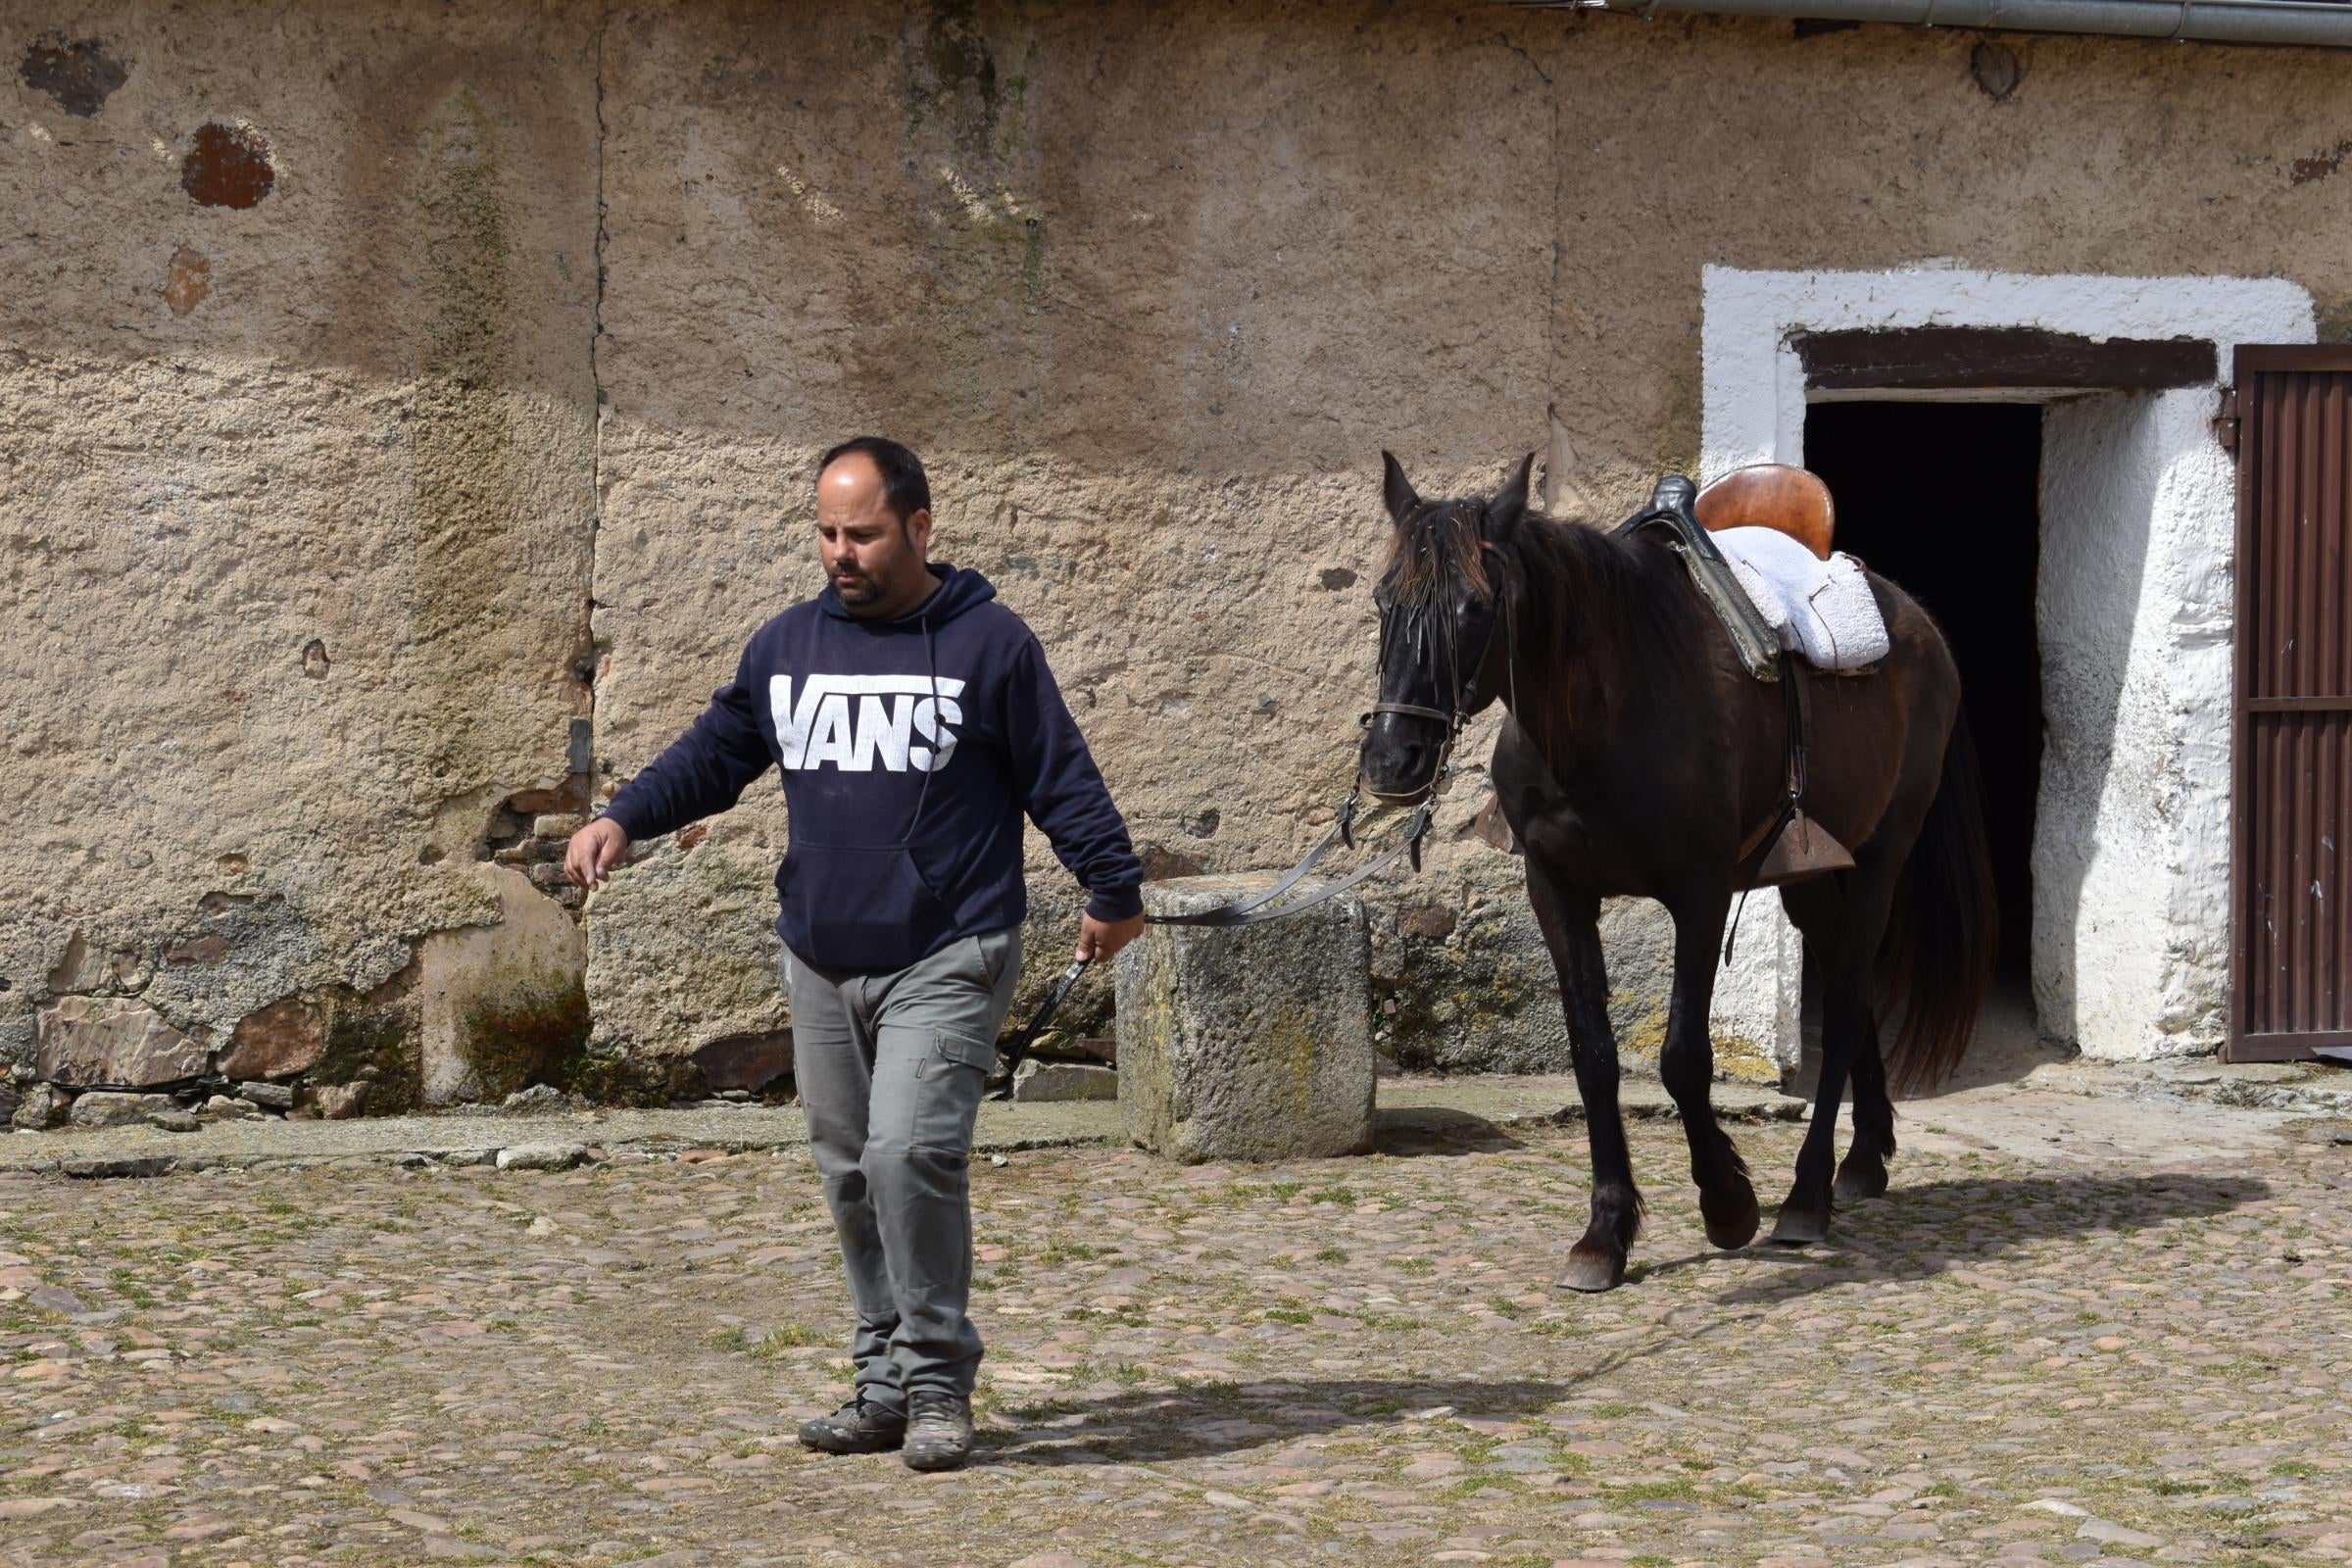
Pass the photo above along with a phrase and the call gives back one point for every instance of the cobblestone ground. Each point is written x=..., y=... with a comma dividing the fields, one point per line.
x=1348, y=1361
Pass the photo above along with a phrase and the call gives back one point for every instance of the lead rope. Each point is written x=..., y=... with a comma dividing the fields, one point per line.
x=1263, y=906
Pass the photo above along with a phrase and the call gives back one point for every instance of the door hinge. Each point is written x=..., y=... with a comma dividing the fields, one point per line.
x=2224, y=423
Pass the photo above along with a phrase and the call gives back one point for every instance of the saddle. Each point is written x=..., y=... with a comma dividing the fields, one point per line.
x=1789, y=846
x=1775, y=496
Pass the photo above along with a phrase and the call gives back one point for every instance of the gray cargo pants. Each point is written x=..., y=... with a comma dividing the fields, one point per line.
x=890, y=1069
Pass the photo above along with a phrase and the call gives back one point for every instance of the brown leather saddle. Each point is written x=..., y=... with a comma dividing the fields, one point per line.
x=1771, y=495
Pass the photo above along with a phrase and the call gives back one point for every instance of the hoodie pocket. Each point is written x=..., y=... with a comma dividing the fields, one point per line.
x=852, y=906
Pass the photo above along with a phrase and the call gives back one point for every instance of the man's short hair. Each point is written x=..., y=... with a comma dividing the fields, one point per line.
x=906, y=488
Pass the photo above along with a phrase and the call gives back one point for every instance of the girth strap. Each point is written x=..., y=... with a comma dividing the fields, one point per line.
x=1812, y=850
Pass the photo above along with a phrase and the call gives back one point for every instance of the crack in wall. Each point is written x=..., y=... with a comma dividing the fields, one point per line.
x=1554, y=483
x=596, y=412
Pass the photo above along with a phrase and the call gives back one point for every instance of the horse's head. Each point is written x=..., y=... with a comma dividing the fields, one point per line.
x=1443, y=646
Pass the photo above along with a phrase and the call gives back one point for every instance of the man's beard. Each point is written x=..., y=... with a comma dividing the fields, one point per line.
x=857, y=590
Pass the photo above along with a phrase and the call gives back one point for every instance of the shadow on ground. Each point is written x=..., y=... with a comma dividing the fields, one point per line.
x=1149, y=1426
x=1407, y=1131
x=1919, y=1231
x=2008, y=1047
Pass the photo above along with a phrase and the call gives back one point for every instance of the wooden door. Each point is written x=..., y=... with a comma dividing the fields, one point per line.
x=2292, y=832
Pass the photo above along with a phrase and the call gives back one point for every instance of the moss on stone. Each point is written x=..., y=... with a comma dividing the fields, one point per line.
x=617, y=1080
x=534, y=1034
x=1466, y=985
x=373, y=1042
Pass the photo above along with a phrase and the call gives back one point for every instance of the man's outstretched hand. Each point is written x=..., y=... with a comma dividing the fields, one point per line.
x=593, y=851
x=1101, y=940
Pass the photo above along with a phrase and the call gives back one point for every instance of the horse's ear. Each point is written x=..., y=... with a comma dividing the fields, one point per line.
x=1510, y=502
x=1396, y=489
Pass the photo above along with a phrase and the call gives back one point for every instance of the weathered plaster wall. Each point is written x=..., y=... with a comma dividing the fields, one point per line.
x=2132, y=832
x=295, y=496
x=1150, y=284
x=1148, y=289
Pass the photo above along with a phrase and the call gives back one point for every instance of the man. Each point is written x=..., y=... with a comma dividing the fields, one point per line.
x=915, y=721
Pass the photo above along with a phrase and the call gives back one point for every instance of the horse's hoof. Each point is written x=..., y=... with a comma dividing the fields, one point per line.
x=1798, y=1227
x=1592, y=1271
x=1733, y=1225
x=1859, y=1185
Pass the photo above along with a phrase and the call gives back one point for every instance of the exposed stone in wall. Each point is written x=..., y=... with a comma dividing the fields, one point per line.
x=190, y=281
x=746, y=1061
x=280, y=1041
x=88, y=1040
x=228, y=166
x=79, y=73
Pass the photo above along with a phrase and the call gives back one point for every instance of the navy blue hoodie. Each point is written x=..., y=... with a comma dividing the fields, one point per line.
x=911, y=749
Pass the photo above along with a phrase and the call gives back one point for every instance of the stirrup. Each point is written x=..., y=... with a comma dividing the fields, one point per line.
x=1804, y=851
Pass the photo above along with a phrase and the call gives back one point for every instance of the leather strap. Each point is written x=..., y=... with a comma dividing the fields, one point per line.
x=1760, y=843
x=1013, y=1055
x=1410, y=710
x=1752, y=637
x=1251, y=911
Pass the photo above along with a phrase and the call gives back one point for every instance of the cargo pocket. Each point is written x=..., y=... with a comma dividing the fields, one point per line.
x=953, y=1075
x=950, y=1051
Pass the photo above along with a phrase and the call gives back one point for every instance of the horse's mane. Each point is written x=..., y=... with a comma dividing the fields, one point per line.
x=1608, y=587
x=1608, y=591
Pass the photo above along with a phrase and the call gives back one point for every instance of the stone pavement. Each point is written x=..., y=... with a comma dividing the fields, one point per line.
x=478, y=1138
x=2126, y=1346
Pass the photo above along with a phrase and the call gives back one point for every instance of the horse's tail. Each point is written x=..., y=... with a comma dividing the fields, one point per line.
x=1942, y=935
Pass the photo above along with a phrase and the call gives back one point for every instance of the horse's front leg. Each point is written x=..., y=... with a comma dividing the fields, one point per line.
x=1571, y=924
x=1727, y=1199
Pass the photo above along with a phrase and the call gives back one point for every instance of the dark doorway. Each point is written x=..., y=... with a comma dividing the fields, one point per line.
x=1944, y=499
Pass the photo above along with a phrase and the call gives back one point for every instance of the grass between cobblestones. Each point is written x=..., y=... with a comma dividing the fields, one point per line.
x=1354, y=1361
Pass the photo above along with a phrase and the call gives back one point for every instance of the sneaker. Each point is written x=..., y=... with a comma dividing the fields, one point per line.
x=857, y=1427
x=939, y=1431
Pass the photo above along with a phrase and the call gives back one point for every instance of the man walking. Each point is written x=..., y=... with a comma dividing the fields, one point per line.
x=916, y=723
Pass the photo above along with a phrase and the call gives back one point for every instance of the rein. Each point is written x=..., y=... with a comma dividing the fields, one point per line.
x=1271, y=904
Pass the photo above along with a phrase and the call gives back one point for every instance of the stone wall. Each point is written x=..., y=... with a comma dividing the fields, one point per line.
x=406, y=413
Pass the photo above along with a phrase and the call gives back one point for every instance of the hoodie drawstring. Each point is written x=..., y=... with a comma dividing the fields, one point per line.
x=937, y=726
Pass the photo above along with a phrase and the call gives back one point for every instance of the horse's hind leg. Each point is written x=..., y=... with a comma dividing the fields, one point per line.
x=1571, y=923
x=1727, y=1199
x=1863, y=1175
x=1842, y=925
x=1804, y=1215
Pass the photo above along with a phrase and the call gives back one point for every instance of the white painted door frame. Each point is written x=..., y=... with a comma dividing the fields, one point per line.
x=2133, y=611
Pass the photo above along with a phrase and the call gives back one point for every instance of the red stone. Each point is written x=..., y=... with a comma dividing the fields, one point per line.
x=281, y=1040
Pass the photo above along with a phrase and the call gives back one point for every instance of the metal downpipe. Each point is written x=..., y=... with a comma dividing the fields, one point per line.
x=2311, y=23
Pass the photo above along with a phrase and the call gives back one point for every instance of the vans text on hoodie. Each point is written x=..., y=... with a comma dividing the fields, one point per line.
x=911, y=750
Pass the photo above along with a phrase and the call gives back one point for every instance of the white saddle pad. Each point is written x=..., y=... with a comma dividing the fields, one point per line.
x=1823, y=609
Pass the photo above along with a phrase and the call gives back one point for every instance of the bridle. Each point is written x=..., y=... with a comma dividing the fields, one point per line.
x=1398, y=623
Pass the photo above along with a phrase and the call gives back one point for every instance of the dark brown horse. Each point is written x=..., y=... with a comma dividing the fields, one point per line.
x=1638, y=758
